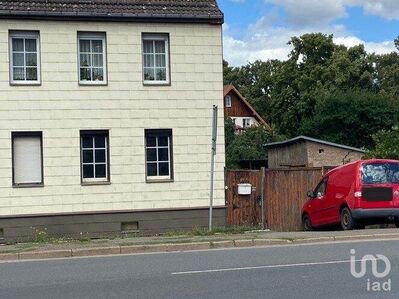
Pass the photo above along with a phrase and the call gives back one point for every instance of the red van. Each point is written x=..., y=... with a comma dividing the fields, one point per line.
x=354, y=195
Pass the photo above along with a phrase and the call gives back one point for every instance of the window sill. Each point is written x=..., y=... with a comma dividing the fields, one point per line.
x=25, y=83
x=150, y=181
x=28, y=185
x=149, y=83
x=93, y=84
x=96, y=183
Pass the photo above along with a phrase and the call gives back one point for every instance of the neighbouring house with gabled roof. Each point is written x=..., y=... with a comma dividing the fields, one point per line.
x=240, y=110
x=106, y=115
x=303, y=151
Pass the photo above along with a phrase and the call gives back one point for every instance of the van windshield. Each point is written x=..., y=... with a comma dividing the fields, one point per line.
x=380, y=173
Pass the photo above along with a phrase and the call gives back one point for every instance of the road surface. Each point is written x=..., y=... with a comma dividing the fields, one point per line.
x=301, y=271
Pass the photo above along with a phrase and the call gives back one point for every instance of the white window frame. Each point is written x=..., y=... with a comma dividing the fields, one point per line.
x=93, y=134
x=93, y=36
x=169, y=161
x=249, y=122
x=24, y=35
x=227, y=100
x=157, y=37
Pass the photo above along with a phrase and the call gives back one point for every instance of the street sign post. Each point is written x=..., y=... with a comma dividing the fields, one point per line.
x=213, y=153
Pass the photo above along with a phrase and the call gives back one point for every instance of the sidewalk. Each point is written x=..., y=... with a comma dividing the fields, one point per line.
x=62, y=249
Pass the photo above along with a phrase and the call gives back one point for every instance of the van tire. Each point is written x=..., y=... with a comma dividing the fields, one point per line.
x=306, y=223
x=347, y=221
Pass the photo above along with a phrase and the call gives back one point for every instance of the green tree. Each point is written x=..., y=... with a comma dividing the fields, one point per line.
x=387, y=73
x=248, y=146
x=316, y=68
x=228, y=131
x=316, y=90
x=254, y=81
x=386, y=145
x=351, y=117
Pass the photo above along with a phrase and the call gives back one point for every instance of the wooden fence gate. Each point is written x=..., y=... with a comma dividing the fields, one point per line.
x=284, y=194
x=243, y=209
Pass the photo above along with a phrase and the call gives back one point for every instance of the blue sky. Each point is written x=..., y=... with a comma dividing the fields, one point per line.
x=260, y=29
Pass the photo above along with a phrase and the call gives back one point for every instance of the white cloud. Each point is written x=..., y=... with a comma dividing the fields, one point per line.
x=308, y=12
x=383, y=47
x=388, y=9
x=263, y=40
x=270, y=42
x=311, y=12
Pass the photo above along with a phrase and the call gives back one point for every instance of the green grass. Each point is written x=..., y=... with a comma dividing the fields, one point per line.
x=43, y=238
x=215, y=231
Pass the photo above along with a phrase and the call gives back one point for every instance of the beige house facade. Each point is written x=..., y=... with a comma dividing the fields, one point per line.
x=105, y=125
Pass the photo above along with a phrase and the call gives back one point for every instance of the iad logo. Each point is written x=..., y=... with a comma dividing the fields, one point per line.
x=373, y=286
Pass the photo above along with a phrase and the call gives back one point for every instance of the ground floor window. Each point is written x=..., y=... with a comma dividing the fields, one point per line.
x=94, y=156
x=158, y=147
x=27, y=158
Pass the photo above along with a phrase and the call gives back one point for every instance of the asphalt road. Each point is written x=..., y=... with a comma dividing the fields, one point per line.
x=302, y=271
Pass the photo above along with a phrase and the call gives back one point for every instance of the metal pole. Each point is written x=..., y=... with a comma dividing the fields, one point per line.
x=213, y=153
x=262, y=197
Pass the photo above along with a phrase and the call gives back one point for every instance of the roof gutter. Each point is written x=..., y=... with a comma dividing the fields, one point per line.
x=111, y=17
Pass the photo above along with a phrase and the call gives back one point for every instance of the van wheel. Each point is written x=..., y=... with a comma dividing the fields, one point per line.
x=306, y=223
x=347, y=221
x=397, y=222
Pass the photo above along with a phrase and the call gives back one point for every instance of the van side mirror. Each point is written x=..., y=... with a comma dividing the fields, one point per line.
x=311, y=194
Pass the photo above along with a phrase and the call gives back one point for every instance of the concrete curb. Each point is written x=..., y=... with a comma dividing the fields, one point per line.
x=175, y=247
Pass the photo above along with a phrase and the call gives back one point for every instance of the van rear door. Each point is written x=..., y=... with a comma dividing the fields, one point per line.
x=380, y=185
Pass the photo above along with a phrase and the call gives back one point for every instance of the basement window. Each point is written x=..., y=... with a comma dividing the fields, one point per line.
x=132, y=226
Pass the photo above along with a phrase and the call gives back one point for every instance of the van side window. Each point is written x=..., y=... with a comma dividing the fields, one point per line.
x=321, y=188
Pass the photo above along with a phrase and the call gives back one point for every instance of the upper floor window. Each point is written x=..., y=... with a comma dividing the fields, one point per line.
x=246, y=122
x=156, y=59
x=24, y=57
x=227, y=101
x=92, y=58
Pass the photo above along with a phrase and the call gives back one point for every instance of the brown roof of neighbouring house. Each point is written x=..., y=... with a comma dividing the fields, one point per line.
x=205, y=11
x=230, y=87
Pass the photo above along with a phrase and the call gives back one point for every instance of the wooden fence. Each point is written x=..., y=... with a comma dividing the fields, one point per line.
x=284, y=194
x=243, y=209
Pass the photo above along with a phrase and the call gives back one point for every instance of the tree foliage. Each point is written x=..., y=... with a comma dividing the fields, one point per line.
x=325, y=90
x=351, y=117
x=246, y=146
x=386, y=145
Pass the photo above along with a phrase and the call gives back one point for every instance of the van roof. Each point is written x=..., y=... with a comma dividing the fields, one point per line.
x=362, y=162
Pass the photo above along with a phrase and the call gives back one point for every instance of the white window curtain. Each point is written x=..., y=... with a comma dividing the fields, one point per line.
x=27, y=160
x=24, y=57
x=155, y=58
x=92, y=58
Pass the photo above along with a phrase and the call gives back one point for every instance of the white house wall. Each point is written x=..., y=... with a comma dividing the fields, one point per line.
x=60, y=108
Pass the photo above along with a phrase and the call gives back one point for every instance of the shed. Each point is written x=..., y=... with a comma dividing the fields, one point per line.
x=303, y=151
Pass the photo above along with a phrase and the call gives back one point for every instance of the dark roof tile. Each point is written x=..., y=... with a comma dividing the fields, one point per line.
x=160, y=10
